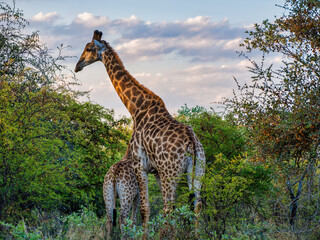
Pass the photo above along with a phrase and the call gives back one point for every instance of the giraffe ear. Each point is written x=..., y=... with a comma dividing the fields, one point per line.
x=97, y=35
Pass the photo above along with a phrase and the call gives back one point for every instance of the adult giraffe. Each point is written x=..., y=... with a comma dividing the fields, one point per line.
x=158, y=142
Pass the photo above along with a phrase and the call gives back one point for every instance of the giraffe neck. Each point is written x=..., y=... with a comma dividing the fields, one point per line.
x=137, y=98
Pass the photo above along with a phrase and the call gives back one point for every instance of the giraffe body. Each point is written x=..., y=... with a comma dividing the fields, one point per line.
x=120, y=181
x=159, y=142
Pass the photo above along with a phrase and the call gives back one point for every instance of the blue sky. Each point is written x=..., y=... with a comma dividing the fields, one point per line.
x=183, y=50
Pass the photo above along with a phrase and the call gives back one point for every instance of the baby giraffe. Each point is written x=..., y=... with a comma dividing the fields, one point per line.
x=120, y=181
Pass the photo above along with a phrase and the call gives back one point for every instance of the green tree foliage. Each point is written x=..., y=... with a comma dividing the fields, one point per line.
x=233, y=187
x=281, y=107
x=54, y=149
x=234, y=191
x=101, y=140
x=217, y=135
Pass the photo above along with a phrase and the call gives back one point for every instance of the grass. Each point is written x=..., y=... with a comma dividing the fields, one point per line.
x=85, y=224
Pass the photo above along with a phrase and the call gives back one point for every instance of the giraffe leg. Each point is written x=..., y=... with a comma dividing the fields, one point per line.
x=190, y=183
x=135, y=205
x=168, y=187
x=169, y=183
x=169, y=195
x=142, y=178
x=125, y=210
x=109, y=226
x=108, y=195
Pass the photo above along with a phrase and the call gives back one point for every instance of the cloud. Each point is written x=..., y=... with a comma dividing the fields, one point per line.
x=47, y=17
x=199, y=39
x=189, y=61
x=199, y=20
x=127, y=22
x=88, y=20
x=142, y=49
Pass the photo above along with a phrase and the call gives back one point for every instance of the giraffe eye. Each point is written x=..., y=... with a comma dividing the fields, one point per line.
x=89, y=49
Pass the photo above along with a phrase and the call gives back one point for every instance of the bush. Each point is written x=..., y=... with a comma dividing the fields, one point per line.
x=84, y=225
x=19, y=232
x=232, y=192
x=54, y=149
x=178, y=225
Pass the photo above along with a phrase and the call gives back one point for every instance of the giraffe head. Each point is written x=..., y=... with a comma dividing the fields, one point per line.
x=92, y=51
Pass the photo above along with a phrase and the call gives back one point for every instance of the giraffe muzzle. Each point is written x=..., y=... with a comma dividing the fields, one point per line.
x=79, y=66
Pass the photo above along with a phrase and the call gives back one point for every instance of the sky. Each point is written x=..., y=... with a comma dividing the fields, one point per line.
x=185, y=51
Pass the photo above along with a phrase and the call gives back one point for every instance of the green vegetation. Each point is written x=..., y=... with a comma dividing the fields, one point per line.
x=280, y=108
x=234, y=186
x=54, y=149
x=262, y=174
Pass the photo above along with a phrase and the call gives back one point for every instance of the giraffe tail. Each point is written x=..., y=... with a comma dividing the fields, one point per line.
x=198, y=167
x=114, y=214
x=197, y=171
x=114, y=217
x=190, y=201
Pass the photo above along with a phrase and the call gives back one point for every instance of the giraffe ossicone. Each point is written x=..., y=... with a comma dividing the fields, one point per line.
x=159, y=142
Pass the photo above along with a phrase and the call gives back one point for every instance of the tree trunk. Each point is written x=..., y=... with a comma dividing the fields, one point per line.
x=294, y=201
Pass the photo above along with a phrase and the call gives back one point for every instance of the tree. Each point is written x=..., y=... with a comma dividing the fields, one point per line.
x=217, y=135
x=233, y=186
x=54, y=149
x=280, y=106
x=102, y=140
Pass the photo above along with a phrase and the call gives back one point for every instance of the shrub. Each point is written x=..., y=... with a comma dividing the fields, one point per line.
x=84, y=224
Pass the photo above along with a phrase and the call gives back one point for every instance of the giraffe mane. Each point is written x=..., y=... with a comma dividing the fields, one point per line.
x=128, y=74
